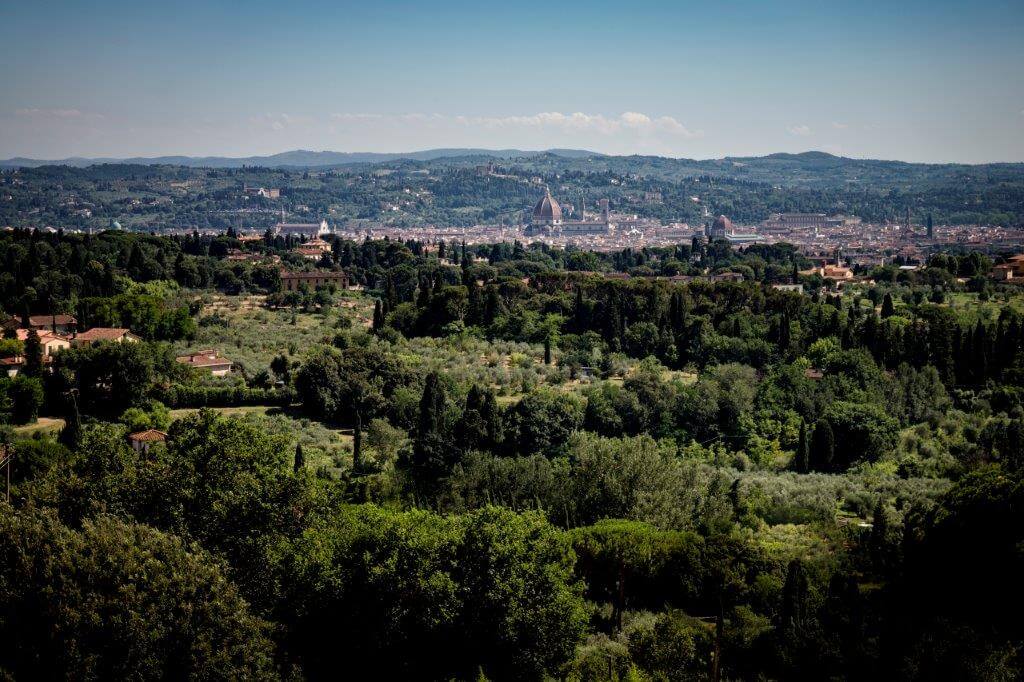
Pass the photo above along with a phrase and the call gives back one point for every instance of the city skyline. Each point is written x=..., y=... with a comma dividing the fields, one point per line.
x=929, y=82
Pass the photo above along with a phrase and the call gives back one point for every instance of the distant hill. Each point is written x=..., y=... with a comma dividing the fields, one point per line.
x=299, y=158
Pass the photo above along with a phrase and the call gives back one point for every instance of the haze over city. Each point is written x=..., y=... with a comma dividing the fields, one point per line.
x=915, y=81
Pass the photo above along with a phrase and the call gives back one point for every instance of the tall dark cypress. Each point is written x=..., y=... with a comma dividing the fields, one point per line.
x=795, y=610
x=492, y=418
x=823, y=447
x=888, y=309
x=378, y=316
x=33, y=354
x=803, y=450
x=300, y=459
x=431, y=454
x=579, y=311
x=71, y=434
x=471, y=432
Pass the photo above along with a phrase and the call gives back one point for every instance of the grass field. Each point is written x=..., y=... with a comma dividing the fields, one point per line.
x=45, y=426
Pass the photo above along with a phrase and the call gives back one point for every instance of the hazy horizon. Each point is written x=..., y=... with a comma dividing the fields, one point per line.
x=495, y=151
x=919, y=82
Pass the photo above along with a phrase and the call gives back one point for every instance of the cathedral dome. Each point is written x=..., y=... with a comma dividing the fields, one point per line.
x=722, y=225
x=547, y=210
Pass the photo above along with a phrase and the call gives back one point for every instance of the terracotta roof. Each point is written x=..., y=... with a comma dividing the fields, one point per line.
x=48, y=320
x=102, y=334
x=722, y=223
x=19, y=360
x=42, y=333
x=547, y=208
x=148, y=436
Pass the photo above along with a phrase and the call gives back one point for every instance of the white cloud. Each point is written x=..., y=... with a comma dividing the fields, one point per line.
x=799, y=130
x=840, y=126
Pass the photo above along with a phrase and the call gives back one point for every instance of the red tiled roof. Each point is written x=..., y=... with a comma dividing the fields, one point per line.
x=148, y=436
x=19, y=360
x=48, y=320
x=547, y=208
x=102, y=334
x=43, y=334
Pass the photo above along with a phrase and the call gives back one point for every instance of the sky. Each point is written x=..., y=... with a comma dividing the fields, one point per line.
x=911, y=80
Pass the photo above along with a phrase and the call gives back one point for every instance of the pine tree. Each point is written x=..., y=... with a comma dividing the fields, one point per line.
x=300, y=459
x=823, y=446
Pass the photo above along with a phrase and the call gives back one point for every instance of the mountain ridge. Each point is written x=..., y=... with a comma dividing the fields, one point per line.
x=298, y=158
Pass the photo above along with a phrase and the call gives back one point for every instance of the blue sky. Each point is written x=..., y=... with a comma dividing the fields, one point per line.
x=919, y=81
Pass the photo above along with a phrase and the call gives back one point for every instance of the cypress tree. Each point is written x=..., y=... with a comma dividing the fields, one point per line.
x=880, y=536
x=300, y=459
x=431, y=405
x=33, y=354
x=471, y=431
x=491, y=414
x=888, y=309
x=823, y=446
x=378, y=316
x=735, y=499
x=579, y=311
x=429, y=449
x=980, y=356
x=71, y=434
x=803, y=450
x=547, y=350
x=794, y=612
x=785, y=334
x=474, y=305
